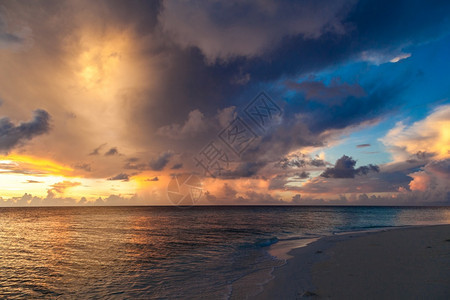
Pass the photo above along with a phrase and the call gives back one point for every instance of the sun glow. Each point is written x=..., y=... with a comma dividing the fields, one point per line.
x=102, y=62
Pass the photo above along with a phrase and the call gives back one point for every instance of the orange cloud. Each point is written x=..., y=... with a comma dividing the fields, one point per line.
x=420, y=182
x=430, y=135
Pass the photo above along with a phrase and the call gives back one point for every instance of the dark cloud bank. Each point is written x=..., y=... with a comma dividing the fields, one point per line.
x=12, y=135
x=345, y=168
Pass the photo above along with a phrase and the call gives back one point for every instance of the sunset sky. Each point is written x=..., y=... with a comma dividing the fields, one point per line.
x=103, y=102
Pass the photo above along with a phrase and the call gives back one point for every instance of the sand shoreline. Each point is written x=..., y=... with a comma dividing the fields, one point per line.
x=380, y=264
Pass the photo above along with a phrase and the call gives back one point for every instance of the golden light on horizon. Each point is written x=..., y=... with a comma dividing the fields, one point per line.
x=35, y=164
x=36, y=176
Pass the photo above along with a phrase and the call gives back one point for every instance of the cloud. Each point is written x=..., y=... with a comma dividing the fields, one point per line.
x=33, y=181
x=226, y=115
x=334, y=93
x=430, y=137
x=383, y=56
x=11, y=135
x=290, y=135
x=135, y=166
x=434, y=176
x=161, y=161
x=400, y=57
x=121, y=176
x=112, y=151
x=243, y=170
x=204, y=87
x=278, y=182
x=152, y=179
x=222, y=30
x=52, y=200
x=119, y=200
x=228, y=195
x=96, y=151
x=299, y=161
x=439, y=168
x=163, y=78
x=83, y=166
x=10, y=39
x=60, y=188
x=345, y=168
x=420, y=182
x=177, y=166
x=194, y=124
x=363, y=145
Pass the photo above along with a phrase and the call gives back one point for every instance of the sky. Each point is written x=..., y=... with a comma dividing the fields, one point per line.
x=263, y=102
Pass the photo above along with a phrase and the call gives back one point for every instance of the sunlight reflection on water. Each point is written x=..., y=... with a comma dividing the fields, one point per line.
x=164, y=251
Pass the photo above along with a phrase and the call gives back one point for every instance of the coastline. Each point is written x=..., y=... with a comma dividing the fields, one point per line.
x=405, y=262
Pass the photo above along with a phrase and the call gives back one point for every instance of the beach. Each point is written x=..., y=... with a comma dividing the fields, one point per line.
x=405, y=263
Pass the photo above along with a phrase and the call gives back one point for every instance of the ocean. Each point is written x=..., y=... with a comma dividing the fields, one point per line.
x=168, y=252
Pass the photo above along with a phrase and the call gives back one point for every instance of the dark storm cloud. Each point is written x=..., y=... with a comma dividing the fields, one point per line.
x=350, y=110
x=375, y=26
x=206, y=86
x=121, y=176
x=159, y=163
x=288, y=136
x=12, y=135
x=345, y=168
x=226, y=29
x=184, y=80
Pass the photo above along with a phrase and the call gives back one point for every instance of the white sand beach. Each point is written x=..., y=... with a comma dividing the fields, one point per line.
x=405, y=263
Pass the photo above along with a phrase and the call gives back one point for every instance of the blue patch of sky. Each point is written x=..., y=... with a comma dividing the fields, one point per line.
x=424, y=78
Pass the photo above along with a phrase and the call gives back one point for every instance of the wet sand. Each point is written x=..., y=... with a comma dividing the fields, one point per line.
x=405, y=263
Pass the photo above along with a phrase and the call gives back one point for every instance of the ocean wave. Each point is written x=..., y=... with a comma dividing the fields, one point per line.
x=266, y=242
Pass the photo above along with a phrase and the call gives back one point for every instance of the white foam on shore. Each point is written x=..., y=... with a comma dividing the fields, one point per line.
x=281, y=249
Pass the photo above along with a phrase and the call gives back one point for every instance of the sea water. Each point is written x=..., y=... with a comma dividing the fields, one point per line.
x=168, y=252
